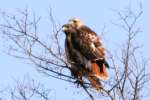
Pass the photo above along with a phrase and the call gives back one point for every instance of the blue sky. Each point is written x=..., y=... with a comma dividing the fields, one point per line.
x=95, y=13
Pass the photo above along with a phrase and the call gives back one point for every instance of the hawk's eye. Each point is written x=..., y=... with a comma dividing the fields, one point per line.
x=74, y=21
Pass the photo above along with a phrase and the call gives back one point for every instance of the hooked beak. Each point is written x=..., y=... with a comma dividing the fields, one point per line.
x=64, y=27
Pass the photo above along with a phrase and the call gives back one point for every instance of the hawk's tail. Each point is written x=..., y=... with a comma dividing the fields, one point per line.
x=95, y=82
x=99, y=69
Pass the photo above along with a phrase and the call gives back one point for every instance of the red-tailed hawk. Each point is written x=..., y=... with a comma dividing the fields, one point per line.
x=85, y=52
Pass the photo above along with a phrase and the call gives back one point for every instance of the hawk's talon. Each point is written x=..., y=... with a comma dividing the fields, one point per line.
x=79, y=82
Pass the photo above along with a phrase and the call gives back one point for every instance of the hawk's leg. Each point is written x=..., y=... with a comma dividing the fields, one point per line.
x=79, y=74
x=79, y=81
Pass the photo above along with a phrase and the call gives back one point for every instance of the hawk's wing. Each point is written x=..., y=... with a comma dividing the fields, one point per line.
x=88, y=43
x=90, y=46
x=75, y=58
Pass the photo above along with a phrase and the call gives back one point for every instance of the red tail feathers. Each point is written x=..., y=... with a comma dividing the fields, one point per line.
x=99, y=71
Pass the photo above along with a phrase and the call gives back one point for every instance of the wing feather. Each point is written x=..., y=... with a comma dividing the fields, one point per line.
x=88, y=43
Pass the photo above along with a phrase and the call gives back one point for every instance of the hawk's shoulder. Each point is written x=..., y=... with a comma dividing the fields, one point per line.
x=86, y=29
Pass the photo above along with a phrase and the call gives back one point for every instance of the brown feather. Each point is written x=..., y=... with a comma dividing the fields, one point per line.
x=95, y=82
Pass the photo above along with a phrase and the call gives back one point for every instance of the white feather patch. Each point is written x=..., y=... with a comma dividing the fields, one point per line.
x=93, y=46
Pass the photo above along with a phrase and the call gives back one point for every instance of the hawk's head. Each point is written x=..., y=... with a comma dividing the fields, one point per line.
x=75, y=22
x=67, y=29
